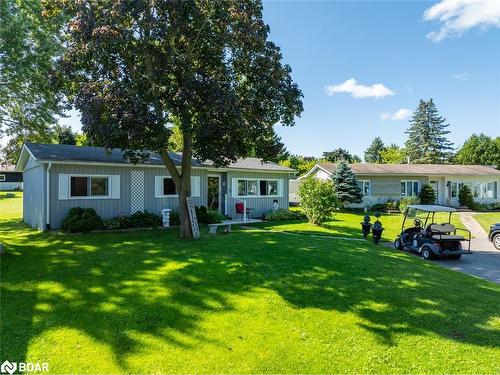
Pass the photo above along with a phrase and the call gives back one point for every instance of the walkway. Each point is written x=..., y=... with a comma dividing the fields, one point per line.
x=471, y=224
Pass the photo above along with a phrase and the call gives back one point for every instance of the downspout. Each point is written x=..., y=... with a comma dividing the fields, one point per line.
x=47, y=221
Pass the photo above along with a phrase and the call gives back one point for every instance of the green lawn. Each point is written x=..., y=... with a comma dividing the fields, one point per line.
x=345, y=224
x=247, y=302
x=487, y=218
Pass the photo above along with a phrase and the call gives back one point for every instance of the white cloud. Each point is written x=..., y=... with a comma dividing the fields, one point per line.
x=461, y=76
x=356, y=90
x=458, y=16
x=400, y=114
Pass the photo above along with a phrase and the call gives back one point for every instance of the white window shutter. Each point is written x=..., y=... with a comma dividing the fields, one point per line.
x=115, y=186
x=63, y=186
x=195, y=186
x=280, y=188
x=158, y=186
x=234, y=188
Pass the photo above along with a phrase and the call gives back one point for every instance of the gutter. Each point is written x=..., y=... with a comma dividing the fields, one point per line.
x=47, y=220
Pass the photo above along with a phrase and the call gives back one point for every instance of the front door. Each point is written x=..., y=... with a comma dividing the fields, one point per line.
x=435, y=186
x=213, y=193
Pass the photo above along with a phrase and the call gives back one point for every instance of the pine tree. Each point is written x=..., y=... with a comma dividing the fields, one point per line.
x=427, y=195
x=372, y=153
x=427, y=142
x=346, y=187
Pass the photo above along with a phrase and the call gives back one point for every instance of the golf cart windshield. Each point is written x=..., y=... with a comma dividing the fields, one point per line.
x=429, y=213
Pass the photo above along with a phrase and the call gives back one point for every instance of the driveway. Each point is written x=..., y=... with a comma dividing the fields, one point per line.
x=484, y=261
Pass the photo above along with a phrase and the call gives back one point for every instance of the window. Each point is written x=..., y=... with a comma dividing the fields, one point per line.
x=477, y=190
x=2, y=177
x=409, y=188
x=169, y=186
x=488, y=190
x=365, y=186
x=249, y=188
x=89, y=186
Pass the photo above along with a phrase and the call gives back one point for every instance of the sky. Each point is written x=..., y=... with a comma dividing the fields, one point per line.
x=363, y=66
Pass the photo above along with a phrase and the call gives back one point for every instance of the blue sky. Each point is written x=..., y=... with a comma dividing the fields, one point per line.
x=386, y=44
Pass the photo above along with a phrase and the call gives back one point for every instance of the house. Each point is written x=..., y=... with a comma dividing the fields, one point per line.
x=382, y=182
x=59, y=177
x=10, y=179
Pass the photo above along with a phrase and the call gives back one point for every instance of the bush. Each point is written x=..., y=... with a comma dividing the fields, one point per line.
x=81, y=220
x=118, y=222
x=392, y=205
x=136, y=220
x=465, y=197
x=427, y=195
x=406, y=201
x=283, y=214
x=208, y=217
x=317, y=199
x=378, y=207
x=495, y=206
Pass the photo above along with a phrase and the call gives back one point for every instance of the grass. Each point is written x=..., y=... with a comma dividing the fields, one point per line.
x=347, y=224
x=247, y=302
x=485, y=219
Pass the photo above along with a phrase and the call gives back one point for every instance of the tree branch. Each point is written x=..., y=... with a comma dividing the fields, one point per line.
x=170, y=165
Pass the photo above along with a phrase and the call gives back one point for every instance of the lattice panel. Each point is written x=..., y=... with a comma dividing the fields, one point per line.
x=136, y=191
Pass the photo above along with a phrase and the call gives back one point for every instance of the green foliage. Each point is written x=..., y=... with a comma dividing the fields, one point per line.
x=346, y=186
x=406, y=201
x=136, y=220
x=317, y=199
x=174, y=218
x=283, y=215
x=302, y=164
x=81, y=220
x=427, y=194
x=65, y=136
x=479, y=149
x=373, y=153
x=341, y=154
x=206, y=216
x=427, y=142
x=465, y=197
x=393, y=154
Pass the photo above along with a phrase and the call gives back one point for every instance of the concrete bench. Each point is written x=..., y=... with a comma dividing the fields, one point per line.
x=212, y=228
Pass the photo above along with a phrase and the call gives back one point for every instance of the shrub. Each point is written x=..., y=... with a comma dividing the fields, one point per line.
x=392, y=205
x=465, y=197
x=495, y=206
x=378, y=207
x=406, y=201
x=118, y=222
x=207, y=216
x=427, y=194
x=317, y=199
x=81, y=220
x=145, y=220
x=283, y=214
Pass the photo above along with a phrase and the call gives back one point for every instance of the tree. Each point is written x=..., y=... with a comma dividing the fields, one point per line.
x=393, y=154
x=29, y=101
x=133, y=68
x=346, y=186
x=427, y=142
x=317, y=199
x=465, y=197
x=373, y=153
x=339, y=154
x=65, y=135
x=427, y=194
x=302, y=164
x=479, y=149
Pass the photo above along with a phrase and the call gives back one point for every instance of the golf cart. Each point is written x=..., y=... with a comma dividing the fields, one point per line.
x=428, y=238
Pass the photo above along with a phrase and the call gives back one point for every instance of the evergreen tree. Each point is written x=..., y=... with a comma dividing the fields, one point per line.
x=465, y=197
x=341, y=154
x=65, y=135
x=427, y=141
x=346, y=186
x=427, y=194
x=373, y=153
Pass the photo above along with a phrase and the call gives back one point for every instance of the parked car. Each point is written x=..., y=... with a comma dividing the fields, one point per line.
x=428, y=238
x=494, y=235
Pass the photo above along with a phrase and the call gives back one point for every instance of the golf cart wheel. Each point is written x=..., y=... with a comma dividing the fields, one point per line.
x=426, y=253
x=398, y=244
x=496, y=241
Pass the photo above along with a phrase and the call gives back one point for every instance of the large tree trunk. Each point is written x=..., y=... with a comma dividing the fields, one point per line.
x=182, y=182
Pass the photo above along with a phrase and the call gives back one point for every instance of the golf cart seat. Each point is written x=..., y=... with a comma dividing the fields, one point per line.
x=442, y=232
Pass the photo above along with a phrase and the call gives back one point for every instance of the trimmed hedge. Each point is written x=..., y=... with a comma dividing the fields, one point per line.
x=81, y=220
x=283, y=215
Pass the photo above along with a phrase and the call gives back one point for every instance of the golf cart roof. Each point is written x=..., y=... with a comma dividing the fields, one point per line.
x=431, y=208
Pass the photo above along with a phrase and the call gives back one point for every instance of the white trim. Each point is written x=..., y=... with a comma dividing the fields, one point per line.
x=219, y=177
x=108, y=196
x=363, y=187
x=2, y=178
x=159, y=188
x=47, y=217
x=314, y=168
x=406, y=192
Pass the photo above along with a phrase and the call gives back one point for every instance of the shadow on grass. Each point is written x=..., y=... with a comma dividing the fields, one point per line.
x=109, y=285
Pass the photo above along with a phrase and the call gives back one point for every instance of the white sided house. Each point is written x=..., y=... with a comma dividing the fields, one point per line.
x=59, y=177
x=383, y=182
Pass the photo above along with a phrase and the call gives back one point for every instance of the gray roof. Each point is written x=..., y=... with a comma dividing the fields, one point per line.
x=70, y=153
x=415, y=169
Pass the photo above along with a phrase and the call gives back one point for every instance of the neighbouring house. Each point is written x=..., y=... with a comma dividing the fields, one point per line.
x=59, y=177
x=10, y=179
x=383, y=182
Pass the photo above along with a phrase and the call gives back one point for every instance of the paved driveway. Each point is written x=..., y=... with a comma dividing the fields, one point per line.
x=484, y=262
